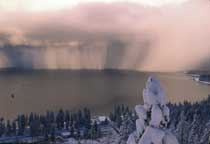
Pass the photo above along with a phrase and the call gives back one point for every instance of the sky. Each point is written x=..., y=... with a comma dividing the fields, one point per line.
x=52, y=5
x=145, y=35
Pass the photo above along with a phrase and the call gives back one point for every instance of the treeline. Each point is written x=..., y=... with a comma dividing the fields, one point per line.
x=78, y=124
x=119, y=113
x=124, y=120
x=191, y=121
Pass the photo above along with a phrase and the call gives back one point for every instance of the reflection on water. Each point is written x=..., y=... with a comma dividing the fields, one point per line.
x=38, y=91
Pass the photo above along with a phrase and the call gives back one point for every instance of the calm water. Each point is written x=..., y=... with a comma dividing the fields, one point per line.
x=38, y=91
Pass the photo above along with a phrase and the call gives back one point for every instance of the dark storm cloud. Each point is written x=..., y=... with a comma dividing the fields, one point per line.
x=115, y=35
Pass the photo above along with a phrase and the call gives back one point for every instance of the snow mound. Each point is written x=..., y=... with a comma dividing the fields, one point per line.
x=152, y=135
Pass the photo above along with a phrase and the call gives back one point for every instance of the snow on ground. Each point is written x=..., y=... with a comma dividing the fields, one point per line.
x=110, y=137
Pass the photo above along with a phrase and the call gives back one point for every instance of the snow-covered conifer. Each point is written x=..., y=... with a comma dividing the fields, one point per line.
x=153, y=117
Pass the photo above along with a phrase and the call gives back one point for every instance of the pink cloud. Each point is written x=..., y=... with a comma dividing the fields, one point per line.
x=118, y=35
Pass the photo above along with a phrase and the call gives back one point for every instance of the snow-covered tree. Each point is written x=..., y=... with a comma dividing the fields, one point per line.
x=205, y=135
x=194, y=131
x=127, y=127
x=153, y=117
x=182, y=131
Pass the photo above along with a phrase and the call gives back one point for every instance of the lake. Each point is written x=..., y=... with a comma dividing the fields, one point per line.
x=41, y=90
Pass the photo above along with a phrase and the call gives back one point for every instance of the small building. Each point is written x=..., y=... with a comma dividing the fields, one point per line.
x=66, y=134
x=101, y=120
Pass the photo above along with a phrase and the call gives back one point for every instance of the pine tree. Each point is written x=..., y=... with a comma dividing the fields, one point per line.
x=2, y=127
x=8, y=129
x=194, y=131
x=78, y=133
x=106, y=121
x=31, y=118
x=34, y=128
x=127, y=127
x=111, y=117
x=87, y=118
x=118, y=120
x=60, y=119
x=14, y=128
x=72, y=131
x=52, y=134
x=205, y=134
x=95, y=131
x=92, y=133
x=67, y=120
x=79, y=118
x=20, y=129
x=182, y=131
x=52, y=117
x=71, y=120
x=123, y=109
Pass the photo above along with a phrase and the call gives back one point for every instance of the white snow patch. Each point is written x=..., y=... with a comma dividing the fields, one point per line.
x=140, y=126
x=152, y=136
x=170, y=138
x=141, y=111
x=156, y=116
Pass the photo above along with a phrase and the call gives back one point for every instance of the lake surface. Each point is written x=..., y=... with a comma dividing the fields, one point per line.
x=38, y=91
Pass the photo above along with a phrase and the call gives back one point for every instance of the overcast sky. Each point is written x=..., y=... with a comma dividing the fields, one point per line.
x=52, y=5
x=154, y=35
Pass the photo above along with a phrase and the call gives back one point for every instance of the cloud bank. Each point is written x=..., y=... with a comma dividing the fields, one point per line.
x=108, y=35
